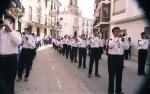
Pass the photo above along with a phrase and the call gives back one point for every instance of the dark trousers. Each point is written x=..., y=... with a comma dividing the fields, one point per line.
x=82, y=56
x=94, y=57
x=115, y=71
x=100, y=52
x=126, y=54
x=8, y=68
x=68, y=51
x=59, y=49
x=74, y=54
x=25, y=61
x=142, y=55
x=129, y=52
x=64, y=49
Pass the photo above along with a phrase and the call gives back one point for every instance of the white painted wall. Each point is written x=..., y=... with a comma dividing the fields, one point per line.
x=67, y=24
x=132, y=10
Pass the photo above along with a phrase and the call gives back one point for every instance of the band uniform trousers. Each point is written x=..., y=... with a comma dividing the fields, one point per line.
x=94, y=57
x=100, y=52
x=115, y=71
x=142, y=55
x=82, y=57
x=64, y=49
x=126, y=53
x=8, y=68
x=68, y=51
x=25, y=62
x=74, y=54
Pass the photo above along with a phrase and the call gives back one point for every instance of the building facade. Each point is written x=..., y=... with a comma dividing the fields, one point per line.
x=73, y=21
x=128, y=15
x=86, y=26
x=41, y=16
x=16, y=10
x=102, y=17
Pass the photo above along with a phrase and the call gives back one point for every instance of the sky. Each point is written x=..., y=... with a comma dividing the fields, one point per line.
x=87, y=7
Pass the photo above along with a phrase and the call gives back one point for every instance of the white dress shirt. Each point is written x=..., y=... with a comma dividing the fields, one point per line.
x=95, y=42
x=30, y=43
x=69, y=42
x=74, y=43
x=143, y=43
x=83, y=43
x=65, y=40
x=117, y=46
x=9, y=42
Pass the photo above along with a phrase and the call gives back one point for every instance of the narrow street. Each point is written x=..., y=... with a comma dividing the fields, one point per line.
x=52, y=73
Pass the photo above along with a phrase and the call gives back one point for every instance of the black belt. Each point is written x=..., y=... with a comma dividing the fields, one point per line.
x=10, y=55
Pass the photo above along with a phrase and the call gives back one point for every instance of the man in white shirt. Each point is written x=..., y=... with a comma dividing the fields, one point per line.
x=9, y=41
x=68, y=49
x=116, y=47
x=65, y=39
x=143, y=44
x=74, y=49
x=82, y=51
x=26, y=55
x=95, y=43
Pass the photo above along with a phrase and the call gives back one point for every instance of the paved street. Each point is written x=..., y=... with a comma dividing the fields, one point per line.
x=52, y=73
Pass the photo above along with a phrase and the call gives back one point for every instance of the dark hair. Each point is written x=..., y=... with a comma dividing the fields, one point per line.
x=23, y=33
x=143, y=33
x=8, y=16
x=115, y=28
x=95, y=30
x=26, y=29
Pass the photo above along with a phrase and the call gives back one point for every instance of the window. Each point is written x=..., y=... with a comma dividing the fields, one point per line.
x=87, y=23
x=76, y=20
x=45, y=19
x=105, y=12
x=38, y=31
x=70, y=2
x=45, y=3
x=30, y=13
x=45, y=32
x=39, y=1
x=83, y=22
x=52, y=5
x=119, y=6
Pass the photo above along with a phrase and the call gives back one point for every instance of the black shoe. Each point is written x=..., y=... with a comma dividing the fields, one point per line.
x=141, y=74
x=110, y=93
x=144, y=74
x=75, y=61
x=84, y=67
x=119, y=92
x=97, y=75
x=89, y=76
x=19, y=79
x=26, y=79
x=79, y=67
